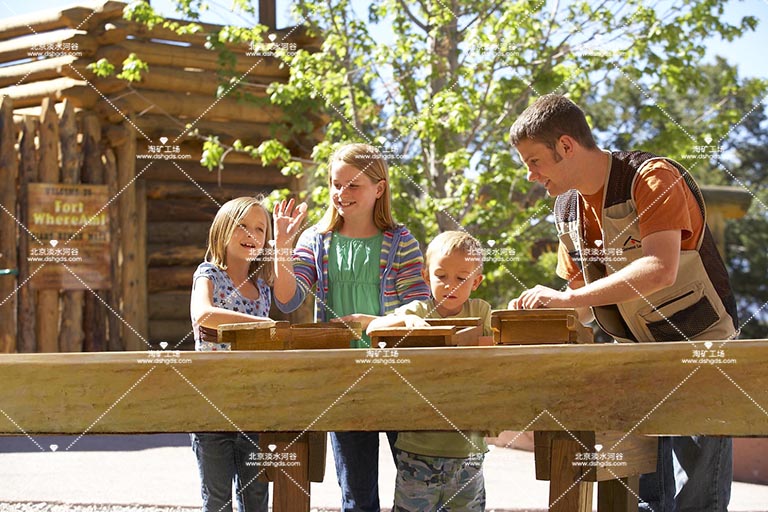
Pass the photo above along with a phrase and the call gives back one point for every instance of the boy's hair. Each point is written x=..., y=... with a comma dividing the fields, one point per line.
x=224, y=223
x=549, y=118
x=369, y=161
x=448, y=242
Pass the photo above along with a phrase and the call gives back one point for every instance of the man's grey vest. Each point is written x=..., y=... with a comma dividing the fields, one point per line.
x=698, y=306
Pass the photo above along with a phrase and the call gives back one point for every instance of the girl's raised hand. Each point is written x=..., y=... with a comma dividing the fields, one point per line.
x=288, y=220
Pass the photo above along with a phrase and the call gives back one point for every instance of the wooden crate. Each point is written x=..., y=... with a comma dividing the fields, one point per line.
x=538, y=326
x=442, y=332
x=282, y=336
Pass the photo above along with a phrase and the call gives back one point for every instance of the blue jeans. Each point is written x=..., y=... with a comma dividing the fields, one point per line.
x=693, y=474
x=357, y=468
x=224, y=458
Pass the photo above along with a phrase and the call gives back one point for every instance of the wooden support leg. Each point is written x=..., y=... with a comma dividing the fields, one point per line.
x=291, y=482
x=564, y=495
x=618, y=495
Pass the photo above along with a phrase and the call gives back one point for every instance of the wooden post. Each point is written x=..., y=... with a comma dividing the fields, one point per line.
x=618, y=495
x=568, y=492
x=71, y=334
x=47, y=313
x=9, y=169
x=27, y=296
x=268, y=13
x=114, y=325
x=94, y=314
x=132, y=247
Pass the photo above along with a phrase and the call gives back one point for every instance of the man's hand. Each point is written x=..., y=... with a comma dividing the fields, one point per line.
x=541, y=297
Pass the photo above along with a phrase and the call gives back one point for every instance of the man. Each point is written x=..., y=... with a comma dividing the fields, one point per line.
x=639, y=259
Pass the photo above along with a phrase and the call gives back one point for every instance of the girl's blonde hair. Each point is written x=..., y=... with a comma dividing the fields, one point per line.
x=368, y=160
x=224, y=223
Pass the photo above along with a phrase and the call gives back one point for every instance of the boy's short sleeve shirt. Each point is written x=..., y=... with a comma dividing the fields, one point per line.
x=445, y=444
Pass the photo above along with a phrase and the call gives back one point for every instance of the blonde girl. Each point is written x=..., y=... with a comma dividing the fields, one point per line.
x=361, y=264
x=232, y=285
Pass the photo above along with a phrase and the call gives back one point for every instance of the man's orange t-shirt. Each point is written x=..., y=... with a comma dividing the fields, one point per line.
x=664, y=202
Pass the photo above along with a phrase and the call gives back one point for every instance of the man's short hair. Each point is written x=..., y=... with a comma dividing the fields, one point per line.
x=549, y=118
x=448, y=242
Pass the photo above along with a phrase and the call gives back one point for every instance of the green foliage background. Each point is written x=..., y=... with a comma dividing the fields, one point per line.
x=436, y=84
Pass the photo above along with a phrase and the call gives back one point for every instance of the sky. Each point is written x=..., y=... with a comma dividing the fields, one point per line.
x=747, y=52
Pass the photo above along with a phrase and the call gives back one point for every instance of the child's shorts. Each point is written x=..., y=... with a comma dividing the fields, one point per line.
x=439, y=484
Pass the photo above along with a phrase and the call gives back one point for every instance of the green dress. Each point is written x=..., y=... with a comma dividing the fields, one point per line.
x=354, y=278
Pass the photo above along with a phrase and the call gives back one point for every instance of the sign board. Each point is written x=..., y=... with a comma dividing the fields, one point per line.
x=68, y=236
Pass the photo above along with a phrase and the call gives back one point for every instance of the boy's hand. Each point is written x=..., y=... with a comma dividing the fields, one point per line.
x=540, y=297
x=288, y=220
x=414, y=322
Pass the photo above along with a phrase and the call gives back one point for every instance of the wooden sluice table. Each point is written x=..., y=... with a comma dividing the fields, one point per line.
x=576, y=389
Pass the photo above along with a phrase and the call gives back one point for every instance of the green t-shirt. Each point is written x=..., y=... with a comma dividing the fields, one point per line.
x=354, y=279
x=445, y=444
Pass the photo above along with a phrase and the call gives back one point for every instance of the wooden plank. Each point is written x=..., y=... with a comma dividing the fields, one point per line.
x=191, y=57
x=169, y=256
x=25, y=47
x=250, y=177
x=77, y=91
x=207, y=191
x=156, y=126
x=51, y=19
x=170, y=306
x=27, y=297
x=189, y=106
x=618, y=495
x=9, y=174
x=71, y=334
x=198, y=209
x=163, y=279
x=47, y=312
x=36, y=71
x=171, y=232
x=640, y=388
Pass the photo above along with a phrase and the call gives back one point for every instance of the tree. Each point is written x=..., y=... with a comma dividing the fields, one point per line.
x=723, y=114
x=436, y=85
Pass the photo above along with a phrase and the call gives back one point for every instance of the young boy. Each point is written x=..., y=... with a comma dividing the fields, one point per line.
x=443, y=470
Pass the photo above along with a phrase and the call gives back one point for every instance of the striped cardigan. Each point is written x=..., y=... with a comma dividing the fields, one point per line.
x=399, y=267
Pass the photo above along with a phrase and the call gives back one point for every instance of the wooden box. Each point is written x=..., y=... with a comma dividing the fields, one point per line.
x=443, y=332
x=282, y=336
x=538, y=326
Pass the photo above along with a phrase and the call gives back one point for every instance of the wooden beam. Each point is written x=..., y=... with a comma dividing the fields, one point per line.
x=45, y=21
x=27, y=174
x=47, y=313
x=639, y=388
x=132, y=247
x=268, y=13
x=191, y=57
x=71, y=335
x=9, y=174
